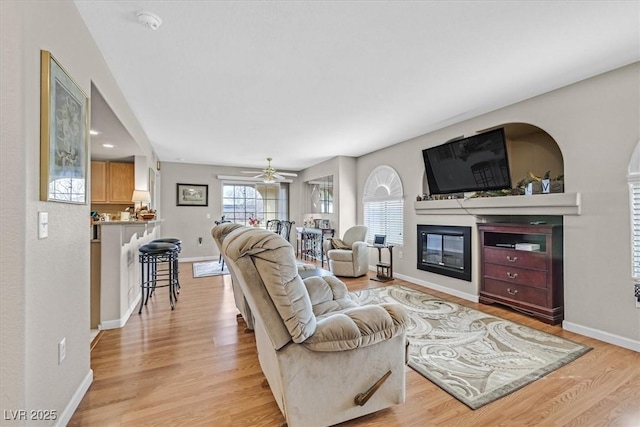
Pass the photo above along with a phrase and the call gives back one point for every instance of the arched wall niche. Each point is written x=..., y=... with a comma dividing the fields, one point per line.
x=530, y=149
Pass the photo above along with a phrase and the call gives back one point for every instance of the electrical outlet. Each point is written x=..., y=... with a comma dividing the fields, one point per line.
x=400, y=254
x=200, y=241
x=62, y=350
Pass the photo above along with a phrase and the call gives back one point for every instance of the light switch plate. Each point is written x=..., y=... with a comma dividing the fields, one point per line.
x=43, y=225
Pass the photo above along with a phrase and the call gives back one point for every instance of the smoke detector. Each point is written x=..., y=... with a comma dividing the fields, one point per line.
x=149, y=19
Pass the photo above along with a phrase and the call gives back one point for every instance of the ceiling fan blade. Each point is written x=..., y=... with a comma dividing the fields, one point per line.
x=251, y=171
x=288, y=173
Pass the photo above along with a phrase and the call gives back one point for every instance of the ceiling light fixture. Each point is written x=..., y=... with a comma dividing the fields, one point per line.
x=149, y=19
x=108, y=145
x=94, y=132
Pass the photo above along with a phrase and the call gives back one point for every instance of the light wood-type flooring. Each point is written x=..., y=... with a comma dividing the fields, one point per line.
x=196, y=366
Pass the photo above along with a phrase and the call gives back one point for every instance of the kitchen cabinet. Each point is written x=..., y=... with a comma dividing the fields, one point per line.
x=98, y=182
x=112, y=182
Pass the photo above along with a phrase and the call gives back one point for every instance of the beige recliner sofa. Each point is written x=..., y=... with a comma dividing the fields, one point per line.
x=352, y=261
x=326, y=358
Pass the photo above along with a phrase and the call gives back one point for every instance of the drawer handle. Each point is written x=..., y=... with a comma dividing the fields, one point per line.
x=512, y=292
x=514, y=259
x=512, y=275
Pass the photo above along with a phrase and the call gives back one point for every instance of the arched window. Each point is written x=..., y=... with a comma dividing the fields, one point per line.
x=384, y=205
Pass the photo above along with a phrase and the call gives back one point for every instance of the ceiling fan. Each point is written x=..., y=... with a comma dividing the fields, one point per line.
x=270, y=175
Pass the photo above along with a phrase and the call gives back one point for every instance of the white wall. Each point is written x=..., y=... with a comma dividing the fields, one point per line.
x=45, y=283
x=595, y=123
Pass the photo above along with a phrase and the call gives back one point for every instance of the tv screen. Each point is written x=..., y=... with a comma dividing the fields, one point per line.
x=476, y=163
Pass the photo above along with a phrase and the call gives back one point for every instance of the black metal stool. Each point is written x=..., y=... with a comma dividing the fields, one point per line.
x=178, y=243
x=151, y=255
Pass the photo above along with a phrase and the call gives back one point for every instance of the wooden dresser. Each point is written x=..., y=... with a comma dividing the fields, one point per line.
x=530, y=281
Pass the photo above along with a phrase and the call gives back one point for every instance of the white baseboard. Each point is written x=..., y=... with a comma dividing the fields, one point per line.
x=71, y=407
x=443, y=289
x=602, y=336
x=119, y=323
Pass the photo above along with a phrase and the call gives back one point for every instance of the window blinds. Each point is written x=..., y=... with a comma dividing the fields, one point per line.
x=384, y=217
x=635, y=228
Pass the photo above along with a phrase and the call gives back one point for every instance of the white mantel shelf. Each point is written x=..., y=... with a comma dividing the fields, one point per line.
x=537, y=204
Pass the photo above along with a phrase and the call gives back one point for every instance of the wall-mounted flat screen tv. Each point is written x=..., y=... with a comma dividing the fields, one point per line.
x=476, y=163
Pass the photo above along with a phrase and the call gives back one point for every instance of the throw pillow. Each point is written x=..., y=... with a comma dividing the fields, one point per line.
x=339, y=244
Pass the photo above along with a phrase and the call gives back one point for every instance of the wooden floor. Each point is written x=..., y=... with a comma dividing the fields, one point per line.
x=196, y=366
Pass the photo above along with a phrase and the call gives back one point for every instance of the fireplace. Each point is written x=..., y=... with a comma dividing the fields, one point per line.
x=445, y=250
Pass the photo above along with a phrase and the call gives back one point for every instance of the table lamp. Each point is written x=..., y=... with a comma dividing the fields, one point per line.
x=140, y=196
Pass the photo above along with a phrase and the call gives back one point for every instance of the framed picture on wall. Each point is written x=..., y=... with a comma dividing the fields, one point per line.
x=192, y=195
x=64, y=134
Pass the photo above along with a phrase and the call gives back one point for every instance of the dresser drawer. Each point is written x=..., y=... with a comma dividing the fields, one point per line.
x=537, y=260
x=511, y=274
x=515, y=292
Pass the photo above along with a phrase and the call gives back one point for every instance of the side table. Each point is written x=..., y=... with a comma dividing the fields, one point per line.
x=384, y=270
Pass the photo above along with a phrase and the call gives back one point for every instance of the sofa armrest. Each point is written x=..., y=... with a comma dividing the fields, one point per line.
x=359, y=248
x=360, y=255
x=358, y=327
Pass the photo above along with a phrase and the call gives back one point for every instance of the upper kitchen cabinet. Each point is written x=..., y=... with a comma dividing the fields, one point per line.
x=112, y=182
x=98, y=182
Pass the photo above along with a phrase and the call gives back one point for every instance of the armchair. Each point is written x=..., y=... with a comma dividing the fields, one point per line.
x=352, y=261
x=326, y=358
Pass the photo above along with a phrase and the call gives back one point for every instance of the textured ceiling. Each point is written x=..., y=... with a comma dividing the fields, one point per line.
x=233, y=82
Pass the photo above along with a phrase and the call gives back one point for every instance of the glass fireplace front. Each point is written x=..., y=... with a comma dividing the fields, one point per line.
x=445, y=250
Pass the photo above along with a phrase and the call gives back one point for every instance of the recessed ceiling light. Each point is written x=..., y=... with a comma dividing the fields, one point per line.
x=108, y=145
x=94, y=132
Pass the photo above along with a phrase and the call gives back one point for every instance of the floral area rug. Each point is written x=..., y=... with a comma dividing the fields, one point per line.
x=474, y=356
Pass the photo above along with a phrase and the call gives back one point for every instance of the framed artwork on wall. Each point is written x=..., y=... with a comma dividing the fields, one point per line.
x=192, y=195
x=64, y=134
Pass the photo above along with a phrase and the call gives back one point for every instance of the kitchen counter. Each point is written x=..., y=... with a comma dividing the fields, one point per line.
x=119, y=271
x=136, y=222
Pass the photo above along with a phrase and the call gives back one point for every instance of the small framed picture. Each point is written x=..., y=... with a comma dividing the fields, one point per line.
x=192, y=195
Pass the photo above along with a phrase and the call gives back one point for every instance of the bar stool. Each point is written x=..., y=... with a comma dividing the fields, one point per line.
x=150, y=256
x=178, y=243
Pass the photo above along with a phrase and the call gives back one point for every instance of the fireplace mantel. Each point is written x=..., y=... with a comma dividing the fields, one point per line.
x=537, y=204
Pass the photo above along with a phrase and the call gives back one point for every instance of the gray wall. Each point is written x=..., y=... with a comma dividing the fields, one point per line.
x=188, y=223
x=595, y=123
x=45, y=283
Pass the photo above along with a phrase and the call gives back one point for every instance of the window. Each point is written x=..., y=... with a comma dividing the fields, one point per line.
x=383, y=205
x=634, y=192
x=241, y=201
x=635, y=228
